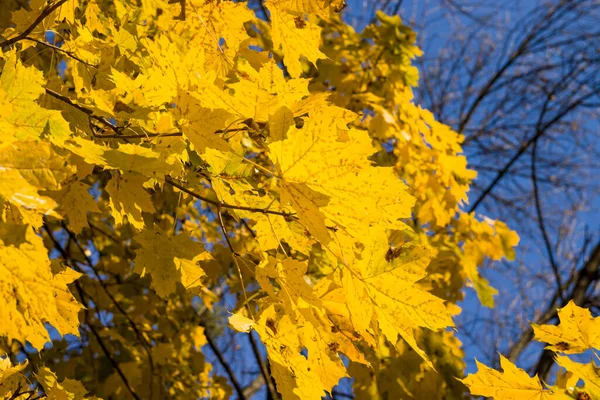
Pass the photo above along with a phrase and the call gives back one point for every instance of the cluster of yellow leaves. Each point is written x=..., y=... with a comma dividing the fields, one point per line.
x=14, y=384
x=165, y=104
x=426, y=154
x=576, y=333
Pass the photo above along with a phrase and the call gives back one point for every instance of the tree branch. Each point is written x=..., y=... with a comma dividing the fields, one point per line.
x=171, y=182
x=263, y=367
x=132, y=324
x=540, y=132
x=228, y=370
x=61, y=50
x=23, y=35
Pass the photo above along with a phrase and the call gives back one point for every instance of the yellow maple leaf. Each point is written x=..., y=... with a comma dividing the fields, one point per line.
x=292, y=372
x=589, y=373
x=22, y=117
x=169, y=260
x=66, y=389
x=29, y=167
x=126, y=157
x=20, y=83
x=74, y=201
x=128, y=199
x=199, y=123
x=327, y=175
x=11, y=379
x=511, y=384
x=295, y=35
x=168, y=69
x=577, y=332
x=380, y=287
x=32, y=296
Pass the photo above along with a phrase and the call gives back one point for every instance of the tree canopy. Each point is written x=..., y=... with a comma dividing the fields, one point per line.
x=176, y=173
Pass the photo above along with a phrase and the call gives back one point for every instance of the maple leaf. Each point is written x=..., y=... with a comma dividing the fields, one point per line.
x=32, y=296
x=23, y=118
x=511, y=384
x=11, y=379
x=66, y=389
x=26, y=169
x=199, y=124
x=292, y=372
x=74, y=201
x=382, y=289
x=128, y=199
x=325, y=170
x=295, y=35
x=589, y=373
x=577, y=332
x=169, y=260
x=127, y=157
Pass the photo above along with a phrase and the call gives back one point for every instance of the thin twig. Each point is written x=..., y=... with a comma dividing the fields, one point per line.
x=81, y=108
x=542, y=225
x=235, y=255
x=172, y=182
x=61, y=50
x=263, y=367
x=112, y=361
x=524, y=148
x=145, y=136
x=263, y=8
x=87, y=111
x=228, y=370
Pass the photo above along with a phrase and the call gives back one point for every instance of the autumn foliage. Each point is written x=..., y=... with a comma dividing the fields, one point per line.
x=159, y=157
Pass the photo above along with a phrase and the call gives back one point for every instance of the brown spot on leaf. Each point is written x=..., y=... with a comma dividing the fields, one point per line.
x=583, y=396
x=392, y=253
x=272, y=325
x=122, y=107
x=333, y=347
x=563, y=346
x=299, y=22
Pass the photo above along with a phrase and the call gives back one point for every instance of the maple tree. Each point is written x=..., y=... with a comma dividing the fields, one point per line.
x=159, y=157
